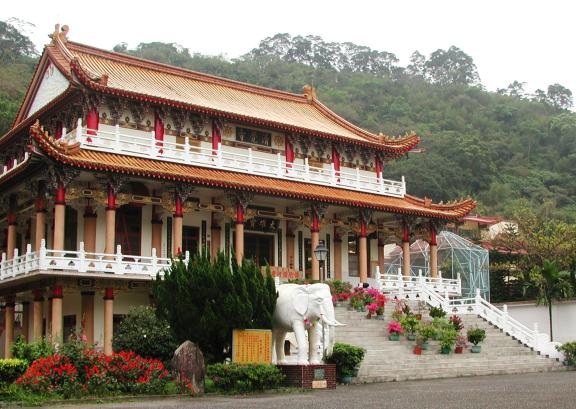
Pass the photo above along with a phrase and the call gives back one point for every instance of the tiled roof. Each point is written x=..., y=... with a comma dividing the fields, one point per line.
x=132, y=77
x=103, y=161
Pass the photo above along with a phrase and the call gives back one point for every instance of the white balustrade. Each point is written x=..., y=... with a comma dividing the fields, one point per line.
x=15, y=164
x=396, y=282
x=431, y=292
x=80, y=262
x=146, y=146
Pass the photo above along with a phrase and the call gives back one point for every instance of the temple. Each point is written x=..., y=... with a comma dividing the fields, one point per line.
x=114, y=165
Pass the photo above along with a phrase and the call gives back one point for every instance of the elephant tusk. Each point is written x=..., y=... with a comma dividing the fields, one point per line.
x=331, y=323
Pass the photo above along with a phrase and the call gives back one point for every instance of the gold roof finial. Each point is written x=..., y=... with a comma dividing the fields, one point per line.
x=60, y=34
x=310, y=92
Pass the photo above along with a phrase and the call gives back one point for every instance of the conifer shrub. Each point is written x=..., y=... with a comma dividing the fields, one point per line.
x=244, y=378
x=204, y=300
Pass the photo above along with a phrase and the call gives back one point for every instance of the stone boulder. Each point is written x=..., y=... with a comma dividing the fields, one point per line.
x=188, y=366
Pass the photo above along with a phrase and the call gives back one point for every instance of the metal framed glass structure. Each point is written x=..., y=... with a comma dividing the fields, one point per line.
x=456, y=255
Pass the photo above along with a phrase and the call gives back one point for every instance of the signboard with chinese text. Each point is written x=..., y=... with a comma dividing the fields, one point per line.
x=252, y=346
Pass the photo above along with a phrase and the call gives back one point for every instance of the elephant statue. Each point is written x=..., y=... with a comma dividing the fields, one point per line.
x=301, y=308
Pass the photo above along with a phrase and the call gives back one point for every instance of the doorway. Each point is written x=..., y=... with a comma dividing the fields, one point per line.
x=129, y=229
x=259, y=247
x=190, y=238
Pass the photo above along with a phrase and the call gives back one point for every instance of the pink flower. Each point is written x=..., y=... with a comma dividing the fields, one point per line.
x=372, y=307
x=395, y=328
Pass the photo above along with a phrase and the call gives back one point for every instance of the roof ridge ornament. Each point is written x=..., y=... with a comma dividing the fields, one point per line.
x=310, y=93
x=60, y=34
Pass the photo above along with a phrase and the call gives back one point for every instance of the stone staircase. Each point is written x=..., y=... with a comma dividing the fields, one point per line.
x=395, y=361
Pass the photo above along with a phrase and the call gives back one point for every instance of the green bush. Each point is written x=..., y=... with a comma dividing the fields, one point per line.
x=409, y=324
x=244, y=378
x=347, y=359
x=569, y=350
x=426, y=331
x=205, y=299
x=447, y=337
x=476, y=335
x=141, y=331
x=29, y=352
x=11, y=369
x=437, y=312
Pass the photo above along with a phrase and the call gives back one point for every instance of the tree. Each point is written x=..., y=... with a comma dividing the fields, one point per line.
x=452, y=66
x=141, y=331
x=13, y=44
x=206, y=299
x=417, y=66
x=559, y=97
x=550, y=285
x=514, y=89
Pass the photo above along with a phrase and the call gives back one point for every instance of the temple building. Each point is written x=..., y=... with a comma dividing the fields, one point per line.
x=114, y=165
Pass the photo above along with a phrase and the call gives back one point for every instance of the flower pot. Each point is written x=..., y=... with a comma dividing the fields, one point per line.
x=458, y=350
x=418, y=317
x=369, y=316
x=379, y=317
x=476, y=349
x=411, y=337
x=346, y=380
x=425, y=346
x=394, y=336
x=417, y=350
x=445, y=350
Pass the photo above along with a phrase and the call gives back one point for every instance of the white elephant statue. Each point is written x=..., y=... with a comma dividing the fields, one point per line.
x=302, y=308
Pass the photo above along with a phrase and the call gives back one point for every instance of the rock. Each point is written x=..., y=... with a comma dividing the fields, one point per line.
x=188, y=366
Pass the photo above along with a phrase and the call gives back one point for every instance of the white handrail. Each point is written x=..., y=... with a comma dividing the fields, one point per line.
x=145, y=146
x=479, y=306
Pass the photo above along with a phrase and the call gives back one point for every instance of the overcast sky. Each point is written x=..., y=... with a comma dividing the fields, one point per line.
x=530, y=41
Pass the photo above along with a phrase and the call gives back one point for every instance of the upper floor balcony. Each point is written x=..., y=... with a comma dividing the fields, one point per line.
x=144, y=145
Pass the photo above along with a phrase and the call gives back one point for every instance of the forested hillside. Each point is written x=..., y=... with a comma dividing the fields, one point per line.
x=496, y=147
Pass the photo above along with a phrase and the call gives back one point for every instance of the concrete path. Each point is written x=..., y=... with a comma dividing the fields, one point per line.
x=554, y=390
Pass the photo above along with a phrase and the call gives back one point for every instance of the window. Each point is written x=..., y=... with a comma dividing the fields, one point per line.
x=129, y=229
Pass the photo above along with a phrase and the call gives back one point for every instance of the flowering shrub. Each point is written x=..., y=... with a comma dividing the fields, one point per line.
x=457, y=322
x=372, y=307
x=394, y=327
x=95, y=373
x=461, y=341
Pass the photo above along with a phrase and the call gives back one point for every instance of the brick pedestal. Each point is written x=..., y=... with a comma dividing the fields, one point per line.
x=310, y=376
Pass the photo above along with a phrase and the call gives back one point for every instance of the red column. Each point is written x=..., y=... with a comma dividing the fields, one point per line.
x=178, y=224
x=289, y=151
x=378, y=163
x=159, y=131
x=336, y=161
x=216, y=137
x=108, y=319
x=92, y=122
x=239, y=233
x=433, y=252
x=59, y=217
x=315, y=240
x=363, y=251
x=405, y=250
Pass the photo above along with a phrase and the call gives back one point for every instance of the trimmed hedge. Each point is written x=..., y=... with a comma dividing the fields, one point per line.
x=347, y=359
x=11, y=369
x=244, y=378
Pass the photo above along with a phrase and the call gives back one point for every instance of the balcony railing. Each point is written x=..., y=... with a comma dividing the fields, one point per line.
x=397, y=283
x=81, y=262
x=148, y=147
x=15, y=165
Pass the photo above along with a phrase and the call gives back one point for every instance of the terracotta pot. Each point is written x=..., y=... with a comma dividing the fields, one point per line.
x=417, y=350
x=458, y=350
x=418, y=317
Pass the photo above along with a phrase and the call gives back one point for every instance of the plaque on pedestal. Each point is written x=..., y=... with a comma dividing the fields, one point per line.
x=322, y=376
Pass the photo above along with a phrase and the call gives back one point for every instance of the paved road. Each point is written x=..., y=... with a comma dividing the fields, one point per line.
x=556, y=390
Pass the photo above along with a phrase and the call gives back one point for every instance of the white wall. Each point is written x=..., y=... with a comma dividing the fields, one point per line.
x=52, y=85
x=563, y=318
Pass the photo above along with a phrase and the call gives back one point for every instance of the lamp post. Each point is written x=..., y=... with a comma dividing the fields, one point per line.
x=320, y=252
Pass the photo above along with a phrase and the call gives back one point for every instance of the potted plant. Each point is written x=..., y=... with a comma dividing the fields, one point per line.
x=347, y=359
x=398, y=310
x=357, y=303
x=409, y=325
x=371, y=309
x=457, y=322
x=447, y=338
x=419, y=347
x=437, y=312
x=394, y=331
x=461, y=343
x=426, y=331
x=381, y=301
x=475, y=336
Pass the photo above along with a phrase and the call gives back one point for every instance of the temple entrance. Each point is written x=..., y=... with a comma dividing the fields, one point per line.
x=259, y=247
x=129, y=229
x=308, y=258
x=190, y=238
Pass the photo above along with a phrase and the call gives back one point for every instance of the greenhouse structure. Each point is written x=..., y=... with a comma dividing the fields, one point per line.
x=456, y=255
